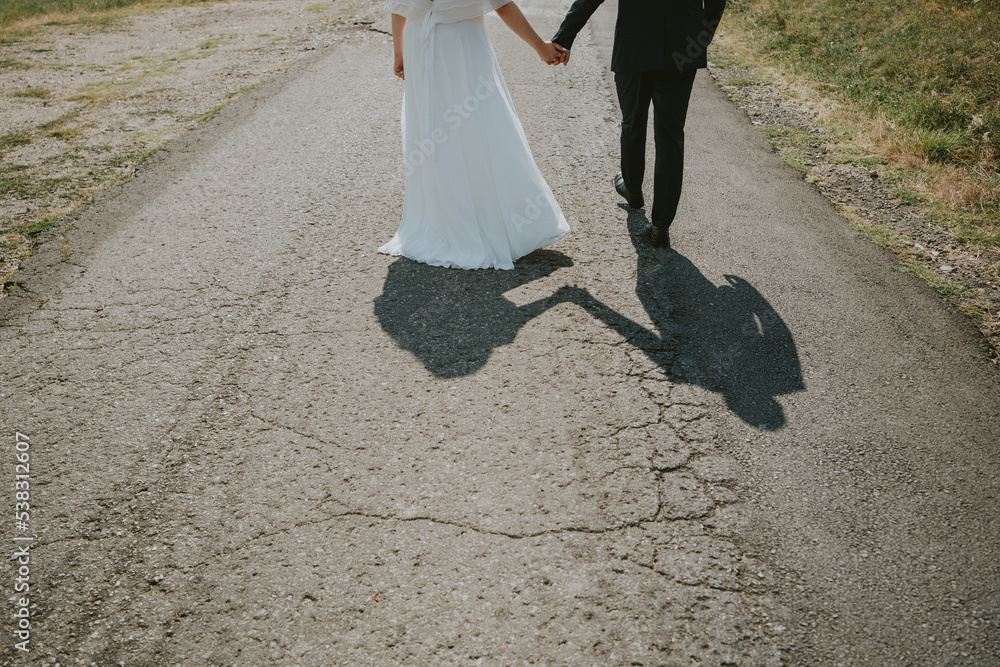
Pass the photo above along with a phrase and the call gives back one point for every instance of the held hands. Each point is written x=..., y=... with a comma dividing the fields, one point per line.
x=553, y=54
x=550, y=53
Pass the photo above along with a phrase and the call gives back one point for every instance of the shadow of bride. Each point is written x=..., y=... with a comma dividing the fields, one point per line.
x=727, y=338
x=452, y=320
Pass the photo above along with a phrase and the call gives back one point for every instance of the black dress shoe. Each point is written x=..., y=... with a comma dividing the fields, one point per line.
x=659, y=236
x=634, y=202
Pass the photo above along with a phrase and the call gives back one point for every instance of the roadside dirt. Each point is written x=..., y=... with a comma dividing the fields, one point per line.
x=864, y=190
x=82, y=105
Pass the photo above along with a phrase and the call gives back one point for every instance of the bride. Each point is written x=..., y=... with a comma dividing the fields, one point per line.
x=474, y=196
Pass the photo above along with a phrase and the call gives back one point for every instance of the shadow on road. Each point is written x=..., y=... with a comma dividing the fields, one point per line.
x=452, y=320
x=727, y=339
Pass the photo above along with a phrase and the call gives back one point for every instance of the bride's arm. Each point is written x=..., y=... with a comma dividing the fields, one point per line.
x=398, y=28
x=511, y=15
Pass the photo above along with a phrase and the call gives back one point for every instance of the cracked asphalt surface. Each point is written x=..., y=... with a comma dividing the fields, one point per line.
x=256, y=441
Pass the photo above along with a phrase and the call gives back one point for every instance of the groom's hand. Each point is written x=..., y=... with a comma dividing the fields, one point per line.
x=550, y=53
x=564, y=54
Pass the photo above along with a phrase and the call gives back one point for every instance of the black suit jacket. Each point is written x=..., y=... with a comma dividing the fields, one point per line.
x=652, y=35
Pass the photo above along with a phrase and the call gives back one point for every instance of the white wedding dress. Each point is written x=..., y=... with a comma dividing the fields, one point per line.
x=474, y=196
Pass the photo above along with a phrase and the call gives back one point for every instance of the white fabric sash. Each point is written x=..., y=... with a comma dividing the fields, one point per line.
x=445, y=11
x=427, y=14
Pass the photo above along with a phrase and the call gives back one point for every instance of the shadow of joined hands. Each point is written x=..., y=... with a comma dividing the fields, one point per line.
x=727, y=339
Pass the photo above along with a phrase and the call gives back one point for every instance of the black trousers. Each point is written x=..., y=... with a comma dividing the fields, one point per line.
x=669, y=93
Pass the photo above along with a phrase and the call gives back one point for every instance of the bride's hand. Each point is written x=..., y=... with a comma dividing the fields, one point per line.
x=551, y=53
x=397, y=66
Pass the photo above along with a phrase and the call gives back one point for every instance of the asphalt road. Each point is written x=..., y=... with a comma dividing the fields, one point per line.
x=255, y=441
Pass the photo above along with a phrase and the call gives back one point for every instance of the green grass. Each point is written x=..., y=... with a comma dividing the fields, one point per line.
x=885, y=236
x=942, y=145
x=907, y=196
x=21, y=19
x=99, y=92
x=14, y=64
x=12, y=11
x=788, y=141
x=937, y=282
x=57, y=123
x=35, y=93
x=915, y=85
x=931, y=65
x=18, y=184
x=13, y=140
x=131, y=158
x=65, y=133
x=739, y=81
x=197, y=118
x=215, y=42
x=796, y=160
x=891, y=240
x=785, y=136
x=33, y=229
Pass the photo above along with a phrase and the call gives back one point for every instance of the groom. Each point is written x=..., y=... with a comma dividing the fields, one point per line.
x=659, y=45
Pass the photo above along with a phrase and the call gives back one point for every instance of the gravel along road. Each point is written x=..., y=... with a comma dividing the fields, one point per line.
x=254, y=441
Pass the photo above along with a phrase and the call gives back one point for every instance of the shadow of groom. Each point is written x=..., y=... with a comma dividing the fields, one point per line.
x=727, y=339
